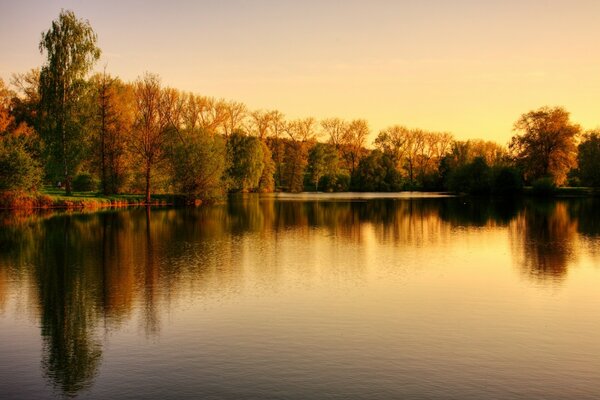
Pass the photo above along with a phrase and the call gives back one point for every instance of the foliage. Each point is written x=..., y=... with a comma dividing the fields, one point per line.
x=245, y=154
x=198, y=164
x=588, y=158
x=85, y=182
x=266, y=183
x=474, y=177
x=113, y=118
x=70, y=47
x=322, y=161
x=154, y=127
x=416, y=153
x=18, y=170
x=335, y=183
x=545, y=146
x=376, y=173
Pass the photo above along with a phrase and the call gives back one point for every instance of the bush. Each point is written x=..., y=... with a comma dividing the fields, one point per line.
x=85, y=182
x=544, y=186
x=18, y=170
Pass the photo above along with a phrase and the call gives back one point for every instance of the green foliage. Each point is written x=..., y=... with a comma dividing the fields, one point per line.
x=589, y=159
x=266, y=184
x=544, y=186
x=70, y=47
x=322, y=161
x=198, y=164
x=85, y=182
x=18, y=170
x=245, y=154
x=376, y=173
x=335, y=183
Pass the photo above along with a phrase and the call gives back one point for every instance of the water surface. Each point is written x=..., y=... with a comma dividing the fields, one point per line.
x=295, y=297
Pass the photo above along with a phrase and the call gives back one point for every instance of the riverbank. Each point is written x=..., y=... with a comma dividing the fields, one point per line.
x=565, y=192
x=56, y=199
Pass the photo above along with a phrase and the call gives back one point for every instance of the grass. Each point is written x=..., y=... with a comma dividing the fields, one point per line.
x=55, y=198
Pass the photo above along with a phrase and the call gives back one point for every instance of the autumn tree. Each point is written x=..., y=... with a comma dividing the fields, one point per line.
x=545, y=145
x=18, y=169
x=154, y=124
x=277, y=128
x=113, y=119
x=302, y=134
x=71, y=51
x=235, y=115
x=353, y=143
x=203, y=113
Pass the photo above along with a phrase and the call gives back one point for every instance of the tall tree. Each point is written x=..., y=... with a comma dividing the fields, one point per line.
x=153, y=127
x=114, y=118
x=71, y=51
x=546, y=144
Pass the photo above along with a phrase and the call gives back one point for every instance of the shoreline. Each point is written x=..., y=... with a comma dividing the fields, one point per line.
x=15, y=201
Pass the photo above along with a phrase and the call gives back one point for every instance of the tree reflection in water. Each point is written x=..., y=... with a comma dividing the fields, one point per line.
x=92, y=272
x=543, y=237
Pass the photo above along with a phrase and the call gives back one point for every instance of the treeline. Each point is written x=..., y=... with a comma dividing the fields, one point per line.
x=61, y=126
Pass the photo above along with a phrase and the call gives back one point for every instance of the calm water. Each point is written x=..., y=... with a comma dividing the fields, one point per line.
x=302, y=297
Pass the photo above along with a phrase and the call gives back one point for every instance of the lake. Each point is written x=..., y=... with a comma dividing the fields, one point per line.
x=304, y=296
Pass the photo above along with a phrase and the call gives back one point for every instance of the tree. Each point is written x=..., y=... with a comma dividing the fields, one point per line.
x=113, y=119
x=376, y=173
x=71, y=51
x=154, y=125
x=246, y=157
x=545, y=146
x=198, y=163
x=301, y=134
x=588, y=158
x=322, y=161
x=266, y=183
x=235, y=115
x=18, y=169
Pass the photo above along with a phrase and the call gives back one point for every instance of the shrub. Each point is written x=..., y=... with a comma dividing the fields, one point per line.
x=18, y=170
x=84, y=182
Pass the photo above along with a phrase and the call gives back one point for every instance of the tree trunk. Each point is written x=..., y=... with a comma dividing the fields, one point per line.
x=147, y=182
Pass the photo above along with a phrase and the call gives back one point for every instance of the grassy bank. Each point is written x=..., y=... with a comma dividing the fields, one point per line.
x=51, y=198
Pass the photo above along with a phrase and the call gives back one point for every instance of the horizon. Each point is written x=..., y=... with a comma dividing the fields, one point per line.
x=468, y=68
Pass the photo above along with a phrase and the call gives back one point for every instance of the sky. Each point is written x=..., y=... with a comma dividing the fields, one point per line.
x=466, y=67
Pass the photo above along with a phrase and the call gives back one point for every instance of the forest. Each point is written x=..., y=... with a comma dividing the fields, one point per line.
x=64, y=126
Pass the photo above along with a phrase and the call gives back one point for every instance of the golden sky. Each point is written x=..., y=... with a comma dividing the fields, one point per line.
x=467, y=67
